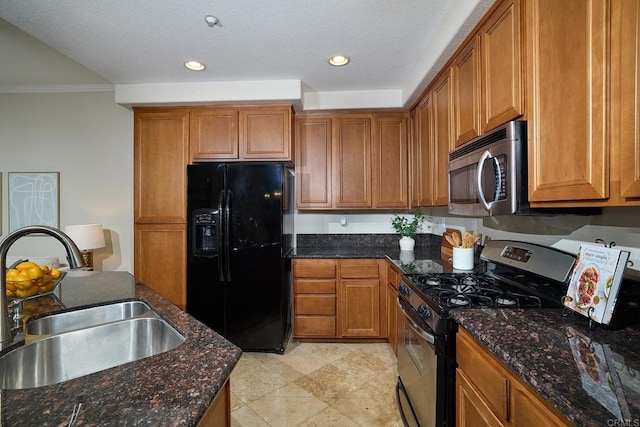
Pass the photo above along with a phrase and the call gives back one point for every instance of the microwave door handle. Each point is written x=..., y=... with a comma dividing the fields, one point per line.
x=496, y=163
x=483, y=200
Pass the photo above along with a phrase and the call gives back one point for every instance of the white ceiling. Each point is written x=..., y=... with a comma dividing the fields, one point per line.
x=395, y=46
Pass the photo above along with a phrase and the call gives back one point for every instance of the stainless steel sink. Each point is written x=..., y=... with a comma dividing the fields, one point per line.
x=82, y=351
x=79, y=319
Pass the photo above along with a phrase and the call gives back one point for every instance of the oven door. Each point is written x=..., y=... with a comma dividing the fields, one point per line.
x=421, y=368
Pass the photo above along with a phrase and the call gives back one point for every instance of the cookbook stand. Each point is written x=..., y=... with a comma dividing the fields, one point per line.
x=595, y=282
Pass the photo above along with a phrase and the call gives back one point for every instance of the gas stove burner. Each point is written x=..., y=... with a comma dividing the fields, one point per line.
x=458, y=300
x=506, y=301
x=432, y=281
x=470, y=281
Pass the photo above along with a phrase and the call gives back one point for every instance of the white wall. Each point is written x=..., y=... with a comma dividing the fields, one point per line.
x=89, y=140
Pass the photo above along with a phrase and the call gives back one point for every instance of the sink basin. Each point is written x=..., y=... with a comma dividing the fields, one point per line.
x=85, y=350
x=78, y=319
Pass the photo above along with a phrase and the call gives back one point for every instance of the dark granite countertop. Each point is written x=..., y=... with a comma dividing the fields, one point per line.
x=170, y=389
x=591, y=376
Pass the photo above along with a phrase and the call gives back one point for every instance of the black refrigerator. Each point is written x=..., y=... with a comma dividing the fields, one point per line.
x=239, y=236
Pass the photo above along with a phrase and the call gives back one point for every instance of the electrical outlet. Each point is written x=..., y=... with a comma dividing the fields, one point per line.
x=474, y=226
x=438, y=226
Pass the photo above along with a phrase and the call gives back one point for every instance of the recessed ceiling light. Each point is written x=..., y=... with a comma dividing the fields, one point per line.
x=339, y=60
x=194, y=65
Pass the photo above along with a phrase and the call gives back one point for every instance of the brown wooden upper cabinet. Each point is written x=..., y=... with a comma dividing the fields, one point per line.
x=627, y=43
x=568, y=56
x=390, y=161
x=487, y=75
x=160, y=153
x=432, y=139
x=466, y=91
x=352, y=161
x=582, y=102
x=313, y=162
x=234, y=134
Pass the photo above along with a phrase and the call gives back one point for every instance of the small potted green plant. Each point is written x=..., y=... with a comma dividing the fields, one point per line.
x=407, y=229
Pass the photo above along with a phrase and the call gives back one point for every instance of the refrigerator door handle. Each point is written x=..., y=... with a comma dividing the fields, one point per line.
x=227, y=234
x=221, y=252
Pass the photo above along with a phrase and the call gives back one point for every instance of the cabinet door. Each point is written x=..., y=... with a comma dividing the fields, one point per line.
x=160, y=156
x=466, y=90
x=471, y=410
x=213, y=134
x=313, y=163
x=629, y=106
x=390, y=176
x=393, y=281
x=359, y=308
x=218, y=414
x=442, y=137
x=568, y=57
x=265, y=134
x=422, y=152
x=352, y=162
x=360, y=296
x=527, y=410
x=502, y=52
x=164, y=270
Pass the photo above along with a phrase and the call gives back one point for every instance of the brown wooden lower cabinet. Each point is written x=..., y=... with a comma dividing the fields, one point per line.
x=489, y=394
x=393, y=281
x=161, y=260
x=219, y=412
x=339, y=299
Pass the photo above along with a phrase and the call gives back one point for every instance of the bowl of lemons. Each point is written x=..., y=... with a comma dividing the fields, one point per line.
x=27, y=279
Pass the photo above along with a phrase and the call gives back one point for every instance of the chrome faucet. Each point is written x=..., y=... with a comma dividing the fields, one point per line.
x=74, y=256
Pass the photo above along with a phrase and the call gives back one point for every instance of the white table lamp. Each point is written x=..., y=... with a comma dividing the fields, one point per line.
x=87, y=237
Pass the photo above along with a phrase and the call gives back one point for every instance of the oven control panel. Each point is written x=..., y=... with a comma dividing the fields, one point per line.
x=516, y=253
x=541, y=260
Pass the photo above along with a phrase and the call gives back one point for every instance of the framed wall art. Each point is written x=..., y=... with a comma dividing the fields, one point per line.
x=34, y=199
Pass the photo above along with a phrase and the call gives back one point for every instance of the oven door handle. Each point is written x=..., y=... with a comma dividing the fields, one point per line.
x=417, y=329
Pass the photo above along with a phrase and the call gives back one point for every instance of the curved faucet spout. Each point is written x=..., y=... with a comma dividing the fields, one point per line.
x=74, y=256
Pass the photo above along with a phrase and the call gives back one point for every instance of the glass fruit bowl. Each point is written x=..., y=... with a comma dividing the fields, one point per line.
x=26, y=279
x=23, y=290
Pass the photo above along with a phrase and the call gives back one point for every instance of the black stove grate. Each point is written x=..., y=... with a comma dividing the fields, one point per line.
x=473, y=290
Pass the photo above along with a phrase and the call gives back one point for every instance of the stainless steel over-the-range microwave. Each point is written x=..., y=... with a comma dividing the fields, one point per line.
x=488, y=175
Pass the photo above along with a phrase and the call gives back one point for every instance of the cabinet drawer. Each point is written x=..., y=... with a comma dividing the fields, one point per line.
x=314, y=326
x=314, y=286
x=314, y=268
x=358, y=271
x=315, y=304
x=485, y=374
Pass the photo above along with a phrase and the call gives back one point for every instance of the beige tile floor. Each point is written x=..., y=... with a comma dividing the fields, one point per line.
x=316, y=384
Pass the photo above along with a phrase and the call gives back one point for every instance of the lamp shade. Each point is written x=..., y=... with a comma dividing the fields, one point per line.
x=86, y=236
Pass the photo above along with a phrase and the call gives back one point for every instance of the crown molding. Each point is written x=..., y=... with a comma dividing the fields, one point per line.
x=56, y=88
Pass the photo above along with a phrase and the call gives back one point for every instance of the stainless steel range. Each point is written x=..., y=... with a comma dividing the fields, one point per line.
x=511, y=275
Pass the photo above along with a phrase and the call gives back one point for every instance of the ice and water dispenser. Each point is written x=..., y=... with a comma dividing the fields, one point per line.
x=205, y=225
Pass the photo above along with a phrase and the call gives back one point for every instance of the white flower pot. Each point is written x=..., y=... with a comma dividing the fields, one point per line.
x=407, y=243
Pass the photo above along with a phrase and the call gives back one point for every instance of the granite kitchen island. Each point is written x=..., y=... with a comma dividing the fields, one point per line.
x=174, y=388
